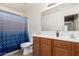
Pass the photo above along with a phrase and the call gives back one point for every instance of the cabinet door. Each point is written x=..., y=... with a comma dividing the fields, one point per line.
x=76, y=49
x=45, y=47
x=76, y=53
x=45, y=50
x=62, y=44
x=36, y=46
x=62, y=48
x=61, y=52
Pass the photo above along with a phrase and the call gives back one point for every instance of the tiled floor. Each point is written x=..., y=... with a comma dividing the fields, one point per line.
x=20, y=53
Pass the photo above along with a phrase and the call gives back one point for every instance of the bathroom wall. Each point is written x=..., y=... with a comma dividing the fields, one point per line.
x=33, y=13
x=53, y=19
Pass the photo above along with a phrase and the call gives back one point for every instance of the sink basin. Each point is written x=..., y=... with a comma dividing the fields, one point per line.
x=77, y=38
x=64, y=36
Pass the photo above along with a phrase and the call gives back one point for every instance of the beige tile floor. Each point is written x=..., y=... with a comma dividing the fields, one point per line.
x=20, y=53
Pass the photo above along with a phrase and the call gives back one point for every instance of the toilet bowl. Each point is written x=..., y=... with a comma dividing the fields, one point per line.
x=26, y=47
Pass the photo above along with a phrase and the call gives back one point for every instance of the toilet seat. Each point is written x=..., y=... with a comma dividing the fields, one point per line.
x=26, y=44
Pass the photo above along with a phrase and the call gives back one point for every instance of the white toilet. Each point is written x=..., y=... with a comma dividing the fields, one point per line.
x=26, y=47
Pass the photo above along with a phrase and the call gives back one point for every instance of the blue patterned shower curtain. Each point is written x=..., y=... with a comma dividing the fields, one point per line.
x=13, y=32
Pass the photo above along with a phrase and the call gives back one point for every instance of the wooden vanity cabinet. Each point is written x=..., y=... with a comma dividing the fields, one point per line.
x=36, y=46
x=61, y=48
x=53, y=47
x=41, y=46
x=45, y=47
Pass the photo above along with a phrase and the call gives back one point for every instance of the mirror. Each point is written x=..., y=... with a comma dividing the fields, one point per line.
x=62, y=18
x=71, y=22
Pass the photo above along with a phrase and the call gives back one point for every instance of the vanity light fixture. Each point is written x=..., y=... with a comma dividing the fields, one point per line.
x=51, y=5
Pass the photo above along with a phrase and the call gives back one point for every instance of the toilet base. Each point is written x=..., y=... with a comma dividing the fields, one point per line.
x=26, y=51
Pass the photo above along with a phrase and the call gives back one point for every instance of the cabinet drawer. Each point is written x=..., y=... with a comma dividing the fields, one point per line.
x=62, y=44
x=45, y=41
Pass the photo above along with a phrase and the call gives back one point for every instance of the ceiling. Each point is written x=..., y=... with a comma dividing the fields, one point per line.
x=22, y=7
x=17, y=6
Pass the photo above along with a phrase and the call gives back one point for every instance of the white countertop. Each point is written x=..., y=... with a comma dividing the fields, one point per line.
x=64, y=38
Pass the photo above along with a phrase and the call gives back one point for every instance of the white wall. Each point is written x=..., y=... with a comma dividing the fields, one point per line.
x=33, y=13
x=54, y=19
